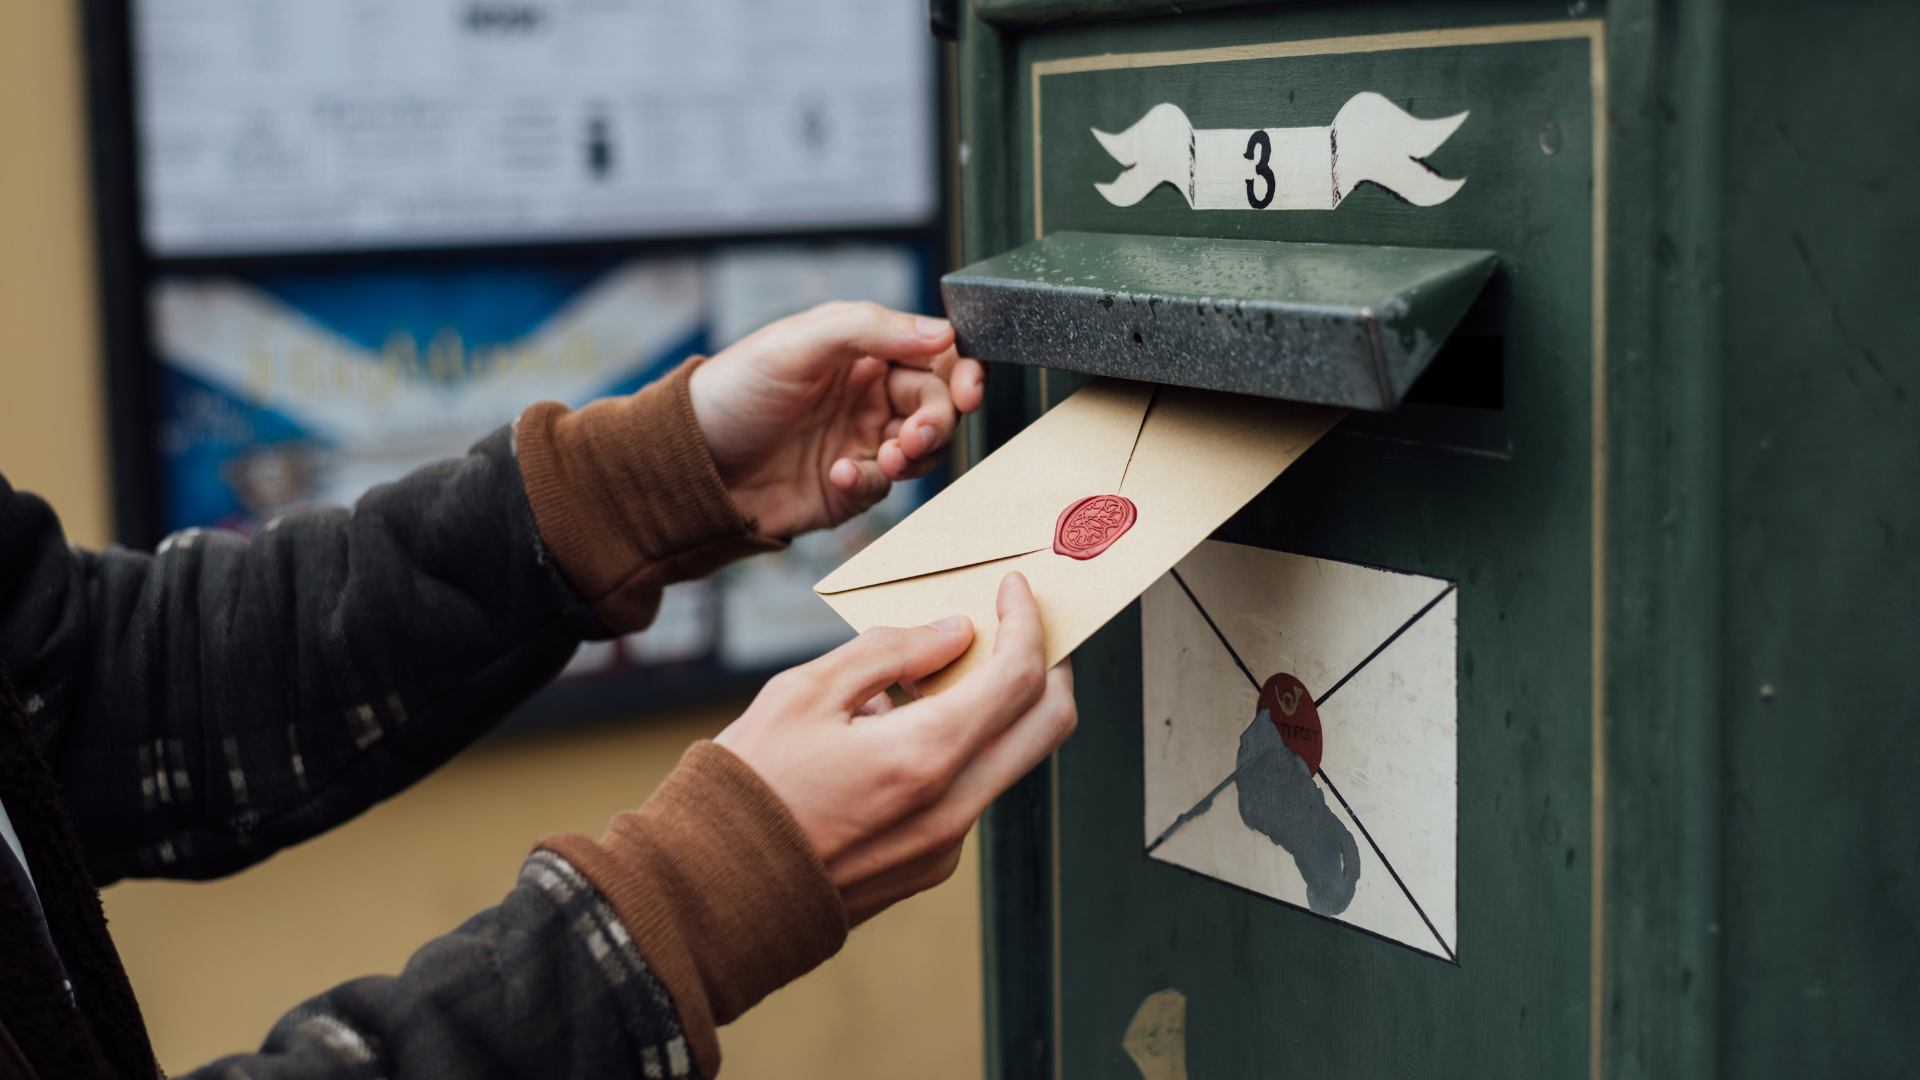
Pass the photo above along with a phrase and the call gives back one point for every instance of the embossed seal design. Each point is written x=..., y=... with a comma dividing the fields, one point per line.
x=1091, y=525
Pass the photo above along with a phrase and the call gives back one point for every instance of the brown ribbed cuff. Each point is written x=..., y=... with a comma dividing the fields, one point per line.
x=720, y=890
x=628, y=500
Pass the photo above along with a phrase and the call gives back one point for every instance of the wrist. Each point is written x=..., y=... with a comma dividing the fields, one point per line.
x=719, y=889
x=710, y=418
x=627, y=499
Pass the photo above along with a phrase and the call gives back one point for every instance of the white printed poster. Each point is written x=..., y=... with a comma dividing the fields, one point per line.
x=278, y=126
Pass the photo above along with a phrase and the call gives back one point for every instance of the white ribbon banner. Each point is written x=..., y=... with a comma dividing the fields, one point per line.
x=1305, y=168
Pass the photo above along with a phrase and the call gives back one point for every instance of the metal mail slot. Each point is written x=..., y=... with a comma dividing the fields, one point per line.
x=1333, y=324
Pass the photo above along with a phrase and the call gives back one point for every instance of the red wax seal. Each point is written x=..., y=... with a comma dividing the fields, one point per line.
x=1091, y=525
x=1290, y=707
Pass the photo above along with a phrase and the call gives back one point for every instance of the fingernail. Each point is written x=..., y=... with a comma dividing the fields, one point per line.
x=926, y=327
x=950, y=623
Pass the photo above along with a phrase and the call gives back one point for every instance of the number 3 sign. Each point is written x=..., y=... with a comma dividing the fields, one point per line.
x=1305, y=168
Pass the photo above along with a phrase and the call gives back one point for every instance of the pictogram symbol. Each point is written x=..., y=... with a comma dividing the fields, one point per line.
x=1287, y=704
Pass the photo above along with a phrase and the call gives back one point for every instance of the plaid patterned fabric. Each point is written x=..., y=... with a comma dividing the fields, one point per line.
x=548, y=984
x=208, y=704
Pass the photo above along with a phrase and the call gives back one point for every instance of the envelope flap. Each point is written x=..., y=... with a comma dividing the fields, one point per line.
x=1202, y=454
x=1009, y=503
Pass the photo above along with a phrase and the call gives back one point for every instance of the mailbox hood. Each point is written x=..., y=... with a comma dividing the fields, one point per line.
x=1332, y=324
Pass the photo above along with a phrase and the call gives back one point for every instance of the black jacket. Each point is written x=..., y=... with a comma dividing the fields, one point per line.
x=202, y=707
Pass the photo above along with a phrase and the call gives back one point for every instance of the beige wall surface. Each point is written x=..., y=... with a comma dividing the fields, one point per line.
x=216, y=964
x=52, y=422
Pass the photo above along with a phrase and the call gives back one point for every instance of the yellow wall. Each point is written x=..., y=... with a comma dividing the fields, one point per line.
x=215, y=963
x=52, y=414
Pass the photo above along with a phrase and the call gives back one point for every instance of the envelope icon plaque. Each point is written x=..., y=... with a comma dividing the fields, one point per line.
x=1300, y=719
x=1093, y=502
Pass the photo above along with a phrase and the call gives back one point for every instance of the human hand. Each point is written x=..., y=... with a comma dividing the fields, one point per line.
x=886, y=795
x=812, y=418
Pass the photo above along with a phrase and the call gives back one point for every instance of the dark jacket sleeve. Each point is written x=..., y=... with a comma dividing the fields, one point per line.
x=547, y=984
x=610, y=959
x=220, y=699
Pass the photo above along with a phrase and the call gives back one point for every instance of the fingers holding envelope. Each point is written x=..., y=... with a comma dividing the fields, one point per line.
x=886, y=796
x=991, y=748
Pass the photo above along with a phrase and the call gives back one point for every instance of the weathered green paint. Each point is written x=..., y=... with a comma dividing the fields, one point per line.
x=1820, y=909
x=1129, y=925
x=1270, y=989
x=1757, y=520
x=1335, y=324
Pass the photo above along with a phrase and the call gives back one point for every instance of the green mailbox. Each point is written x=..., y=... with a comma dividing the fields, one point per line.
x=1550, y=717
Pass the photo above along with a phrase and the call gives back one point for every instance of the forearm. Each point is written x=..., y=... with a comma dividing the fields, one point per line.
x=609, y=959
x=236, y=696
x=628, y=499
x=548, y=984
x=218, y=700
x=718, y=885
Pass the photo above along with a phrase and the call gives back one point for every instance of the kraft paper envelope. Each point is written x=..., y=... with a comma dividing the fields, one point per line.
x=1187, y=459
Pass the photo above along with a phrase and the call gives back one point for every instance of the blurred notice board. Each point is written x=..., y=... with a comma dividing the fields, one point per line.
x=272, y=126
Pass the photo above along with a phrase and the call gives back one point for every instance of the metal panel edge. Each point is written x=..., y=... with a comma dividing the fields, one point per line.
x=1656, y=1003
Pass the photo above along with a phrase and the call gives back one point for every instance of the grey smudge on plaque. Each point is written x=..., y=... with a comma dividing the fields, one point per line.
x=1279, y=799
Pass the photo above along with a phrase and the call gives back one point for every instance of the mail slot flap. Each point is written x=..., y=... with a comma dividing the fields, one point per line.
x=1333, y=324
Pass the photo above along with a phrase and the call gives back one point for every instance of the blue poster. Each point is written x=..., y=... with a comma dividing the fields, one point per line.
x=293, y=388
